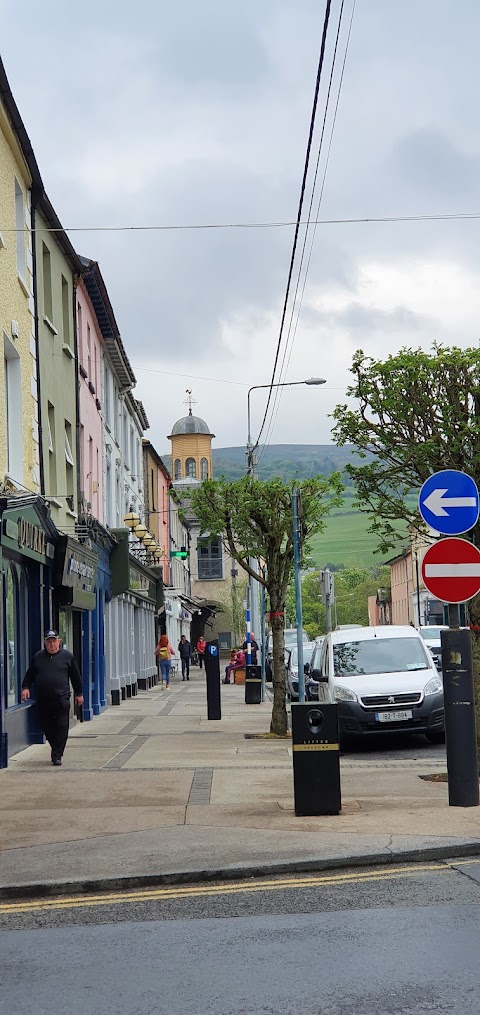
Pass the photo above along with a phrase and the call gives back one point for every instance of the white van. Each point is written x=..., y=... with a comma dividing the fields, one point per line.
x=383, y=679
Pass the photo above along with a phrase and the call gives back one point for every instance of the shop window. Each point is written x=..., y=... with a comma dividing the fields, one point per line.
x=203, y=468
x=210, y=562
x=191, y=468
x=178, y=469
x=10, y=629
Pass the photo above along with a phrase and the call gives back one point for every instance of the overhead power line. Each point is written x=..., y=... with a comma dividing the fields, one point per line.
x=313, y=117
x=289, y=344
x=280, y=224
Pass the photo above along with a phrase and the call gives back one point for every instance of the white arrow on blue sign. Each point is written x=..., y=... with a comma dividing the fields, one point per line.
x=449, y=502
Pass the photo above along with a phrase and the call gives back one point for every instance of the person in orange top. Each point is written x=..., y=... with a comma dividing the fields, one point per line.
x=164, y=652
x=201, y=646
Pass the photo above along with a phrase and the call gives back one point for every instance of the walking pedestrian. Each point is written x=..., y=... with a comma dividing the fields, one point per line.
x=164, y=653
x=201, y=646
x=50, y=674
x=184, y=653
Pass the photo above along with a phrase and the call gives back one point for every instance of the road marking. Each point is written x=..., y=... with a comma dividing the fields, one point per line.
x=452, y=570
x=176, y=893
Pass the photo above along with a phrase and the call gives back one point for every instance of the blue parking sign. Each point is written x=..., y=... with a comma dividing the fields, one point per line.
x=449, y=502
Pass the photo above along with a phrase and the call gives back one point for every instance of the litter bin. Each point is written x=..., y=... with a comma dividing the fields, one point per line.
x=316, y=759
x=253, y=685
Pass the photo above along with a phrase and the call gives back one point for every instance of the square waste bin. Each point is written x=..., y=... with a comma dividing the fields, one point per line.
x=253, y=685
x=316, y=759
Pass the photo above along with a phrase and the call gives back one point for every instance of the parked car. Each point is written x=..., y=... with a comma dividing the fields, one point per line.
x=290, y=639
x=384, y=680
x=291, y=667
x=431, y=637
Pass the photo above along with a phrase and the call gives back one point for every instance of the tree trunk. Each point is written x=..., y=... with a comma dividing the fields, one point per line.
x=279, y=723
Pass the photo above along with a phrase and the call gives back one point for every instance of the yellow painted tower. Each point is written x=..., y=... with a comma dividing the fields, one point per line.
x=191, y=447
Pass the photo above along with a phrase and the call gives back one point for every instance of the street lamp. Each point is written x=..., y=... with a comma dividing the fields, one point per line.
x=284, y=384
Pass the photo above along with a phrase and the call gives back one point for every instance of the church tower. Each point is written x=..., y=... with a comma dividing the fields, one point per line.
x=191, y=442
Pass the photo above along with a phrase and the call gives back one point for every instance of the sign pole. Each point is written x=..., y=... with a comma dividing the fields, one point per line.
x=458, y=696
x=449, y=502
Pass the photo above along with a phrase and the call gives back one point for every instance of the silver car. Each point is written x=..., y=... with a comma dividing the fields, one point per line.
x=291, y=667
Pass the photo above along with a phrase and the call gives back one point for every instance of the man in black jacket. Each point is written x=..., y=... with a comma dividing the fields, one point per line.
x=184, y=653
x=50, y=673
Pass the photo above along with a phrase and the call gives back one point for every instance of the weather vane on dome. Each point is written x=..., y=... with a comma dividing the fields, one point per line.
x=189, y=401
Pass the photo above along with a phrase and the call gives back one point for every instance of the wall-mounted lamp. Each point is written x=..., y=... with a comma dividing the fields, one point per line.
x=131, y=520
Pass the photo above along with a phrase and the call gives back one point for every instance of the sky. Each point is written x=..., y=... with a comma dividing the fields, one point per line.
x=194, y=113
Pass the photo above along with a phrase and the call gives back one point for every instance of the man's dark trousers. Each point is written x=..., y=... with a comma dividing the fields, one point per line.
x=185, y=668
x=54, y=718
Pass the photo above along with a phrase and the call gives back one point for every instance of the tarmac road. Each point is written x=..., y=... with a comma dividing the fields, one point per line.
x=396, y=941
x=393, y=748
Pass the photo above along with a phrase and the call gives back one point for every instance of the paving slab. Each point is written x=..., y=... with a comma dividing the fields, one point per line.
x=155, y=790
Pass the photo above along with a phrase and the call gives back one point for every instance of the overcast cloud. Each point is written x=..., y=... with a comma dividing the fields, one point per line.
x=153, y=113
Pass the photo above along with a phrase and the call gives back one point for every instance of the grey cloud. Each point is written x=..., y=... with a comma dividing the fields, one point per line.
x=369, y=320
x=429, y=161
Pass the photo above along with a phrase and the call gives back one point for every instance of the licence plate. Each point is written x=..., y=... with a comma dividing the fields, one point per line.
x=393, y=716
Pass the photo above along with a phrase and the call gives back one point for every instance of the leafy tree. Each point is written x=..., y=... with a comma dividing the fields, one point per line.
x=254, y=519
x=418, y=413
x=353, y=586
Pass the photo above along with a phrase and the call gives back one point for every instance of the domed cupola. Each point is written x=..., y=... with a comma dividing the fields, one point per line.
x=191, y=448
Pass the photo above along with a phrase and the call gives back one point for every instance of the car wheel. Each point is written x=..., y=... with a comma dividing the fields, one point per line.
x=435, y=737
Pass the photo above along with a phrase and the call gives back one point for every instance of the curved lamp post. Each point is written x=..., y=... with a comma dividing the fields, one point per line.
x=312, y=381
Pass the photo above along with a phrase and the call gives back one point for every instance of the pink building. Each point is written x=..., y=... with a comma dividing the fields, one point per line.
x=90, y=383
x=402, y=585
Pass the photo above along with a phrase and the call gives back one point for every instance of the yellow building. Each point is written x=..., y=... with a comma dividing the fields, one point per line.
x=191, y=448
x=19, y=439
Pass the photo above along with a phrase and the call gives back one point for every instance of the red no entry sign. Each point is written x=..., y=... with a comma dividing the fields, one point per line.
x=451, y=570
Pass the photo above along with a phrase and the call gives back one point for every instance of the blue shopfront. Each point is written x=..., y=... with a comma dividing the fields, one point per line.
x=28, y=538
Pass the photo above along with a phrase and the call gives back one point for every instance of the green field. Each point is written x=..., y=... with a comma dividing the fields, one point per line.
x=346, y=542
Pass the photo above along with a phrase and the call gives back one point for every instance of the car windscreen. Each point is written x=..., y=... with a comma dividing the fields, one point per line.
x=378, y=655
x=430, y=633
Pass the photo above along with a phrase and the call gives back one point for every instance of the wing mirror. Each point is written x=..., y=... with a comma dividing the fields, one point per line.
x=320, y=678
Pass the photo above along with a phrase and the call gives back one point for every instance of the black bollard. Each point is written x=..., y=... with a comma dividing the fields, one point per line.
x=212, y=673
x=462, y=763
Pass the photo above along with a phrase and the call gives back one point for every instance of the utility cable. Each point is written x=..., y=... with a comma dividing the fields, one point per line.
x=300, y=206
x=288, y=346
x=280, y=224
x=322, y=188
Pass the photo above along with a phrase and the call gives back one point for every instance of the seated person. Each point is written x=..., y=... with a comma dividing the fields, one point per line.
x=237, y=662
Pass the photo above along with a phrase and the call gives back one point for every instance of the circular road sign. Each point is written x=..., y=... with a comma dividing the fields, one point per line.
x=449, y=502
x=451, y=570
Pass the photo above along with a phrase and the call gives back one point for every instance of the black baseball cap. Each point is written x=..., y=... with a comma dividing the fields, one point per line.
x=51, y=634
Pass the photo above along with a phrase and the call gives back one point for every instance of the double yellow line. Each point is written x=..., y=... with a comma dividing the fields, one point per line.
x=178, y=892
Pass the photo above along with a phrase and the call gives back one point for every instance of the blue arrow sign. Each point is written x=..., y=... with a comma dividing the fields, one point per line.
x=449, y=502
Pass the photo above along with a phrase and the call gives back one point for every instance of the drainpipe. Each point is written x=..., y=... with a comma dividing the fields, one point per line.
x=35, y=198
x=77, y=396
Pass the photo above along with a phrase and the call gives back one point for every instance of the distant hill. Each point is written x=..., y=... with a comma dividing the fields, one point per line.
x=288, y=461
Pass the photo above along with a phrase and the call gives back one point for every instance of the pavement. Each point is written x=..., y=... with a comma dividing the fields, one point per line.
x=152, y=791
